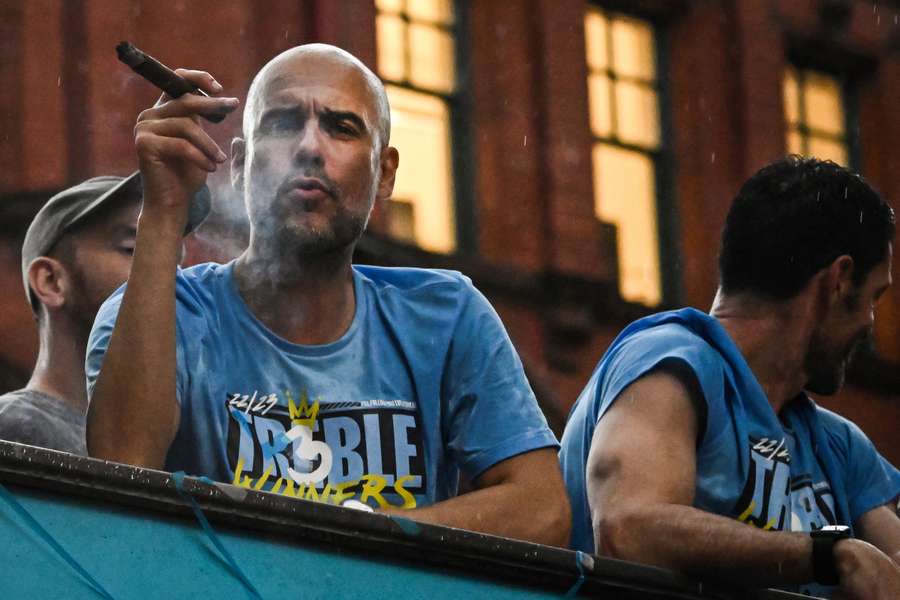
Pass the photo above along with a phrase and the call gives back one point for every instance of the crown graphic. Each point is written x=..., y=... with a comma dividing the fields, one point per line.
x=303, y=413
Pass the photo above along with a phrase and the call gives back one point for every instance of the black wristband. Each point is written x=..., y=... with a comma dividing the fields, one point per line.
x=824, y=569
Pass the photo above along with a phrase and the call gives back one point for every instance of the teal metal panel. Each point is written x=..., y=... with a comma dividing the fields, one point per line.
x=138, y=554
x=133, y=530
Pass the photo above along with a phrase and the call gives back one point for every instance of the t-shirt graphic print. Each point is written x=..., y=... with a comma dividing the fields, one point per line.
x=371, y=451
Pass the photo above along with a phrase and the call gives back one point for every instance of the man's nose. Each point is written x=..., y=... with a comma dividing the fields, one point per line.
x=308, y=147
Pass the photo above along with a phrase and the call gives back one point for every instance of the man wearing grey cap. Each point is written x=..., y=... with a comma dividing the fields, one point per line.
x=77, y=251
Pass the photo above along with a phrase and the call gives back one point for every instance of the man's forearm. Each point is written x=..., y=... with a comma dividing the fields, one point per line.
x=133, y=412
x=507, y=509
x=693, y=541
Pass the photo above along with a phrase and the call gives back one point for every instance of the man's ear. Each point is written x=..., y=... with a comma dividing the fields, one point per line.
x=390, y=160
x=49, y=281
x=839, y=278
x=238, y=154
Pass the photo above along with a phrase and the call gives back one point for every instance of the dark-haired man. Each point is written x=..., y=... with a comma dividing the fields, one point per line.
x=291, y=370
x=76, y=252
x=695, y=447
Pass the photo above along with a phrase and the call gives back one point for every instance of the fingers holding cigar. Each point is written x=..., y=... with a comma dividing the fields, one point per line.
x=203, y=80
x=190, y=105
x=178, y=137
x=172, y=127
x=174, y=151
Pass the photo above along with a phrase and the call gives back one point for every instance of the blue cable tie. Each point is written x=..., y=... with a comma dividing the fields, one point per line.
x=51, y=541
x=178, y=478
x=573, y=591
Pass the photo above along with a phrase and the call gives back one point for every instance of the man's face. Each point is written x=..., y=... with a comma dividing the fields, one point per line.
x=846, y=328
x=312, y=157
x=101, y=261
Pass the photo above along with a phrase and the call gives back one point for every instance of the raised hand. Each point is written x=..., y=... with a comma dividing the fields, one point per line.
x=175, y=154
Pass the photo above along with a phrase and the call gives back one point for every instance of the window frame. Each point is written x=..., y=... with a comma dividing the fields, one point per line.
x=459, y=109
x=667, y=221
x=806, y=52
x=849, y=99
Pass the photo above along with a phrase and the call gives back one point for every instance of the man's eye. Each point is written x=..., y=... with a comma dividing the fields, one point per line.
x=344, y=129
x=279, y=125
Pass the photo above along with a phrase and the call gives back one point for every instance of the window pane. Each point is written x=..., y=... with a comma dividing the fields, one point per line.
x=794, y=142
x=421, y=133
x=822, y=99
x=633, y=48
x=636, y=114
x=828, y=149
x=391, y=42
x=598, y=96
x=393, y=6
x=791, y=97
x=625, y=194
x=434, y=11
x=432, y=55
x=595, y=27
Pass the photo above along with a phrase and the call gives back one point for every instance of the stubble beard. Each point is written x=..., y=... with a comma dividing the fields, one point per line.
x=825, y=379
x=828, y=369
x=286, y=236
x=83, y=305
x=342, y=232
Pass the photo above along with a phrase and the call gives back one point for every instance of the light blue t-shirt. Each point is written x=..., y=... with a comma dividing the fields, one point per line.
x=810, y=468
x=424, y=384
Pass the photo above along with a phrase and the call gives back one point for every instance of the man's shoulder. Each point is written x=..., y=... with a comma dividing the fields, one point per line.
x=192, y=285
x=666, y=334
x=837, y=426
x=202, y=275
x=431, y=305
x=25, y=401
x=13, y=402
x=32, y=417
x=412, y=279
x=844, y=437
x=203, y=287
x=664, y=340
x=408, y=290
x=203, y=271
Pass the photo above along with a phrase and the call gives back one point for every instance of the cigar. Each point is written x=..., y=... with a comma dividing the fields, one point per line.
x=160, y=75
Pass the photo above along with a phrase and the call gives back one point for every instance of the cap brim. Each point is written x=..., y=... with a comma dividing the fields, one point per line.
x=197, y=213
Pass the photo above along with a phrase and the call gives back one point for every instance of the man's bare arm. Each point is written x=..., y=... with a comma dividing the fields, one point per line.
x=641, y=481
x=881, y=528
x=133, y=414
x=522, y=497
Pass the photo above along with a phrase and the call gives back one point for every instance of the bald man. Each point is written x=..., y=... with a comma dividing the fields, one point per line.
x=291, y=370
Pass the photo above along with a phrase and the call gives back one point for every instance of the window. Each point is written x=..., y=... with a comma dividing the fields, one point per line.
x=815, y=115
x=416, y=58
x=623, y=96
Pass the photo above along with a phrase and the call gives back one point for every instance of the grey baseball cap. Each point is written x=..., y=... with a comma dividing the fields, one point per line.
x=77, y=204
